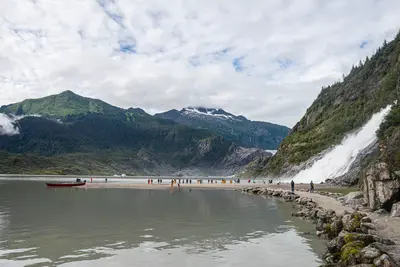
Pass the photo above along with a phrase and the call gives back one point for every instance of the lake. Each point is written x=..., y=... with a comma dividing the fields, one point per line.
x=42, y=226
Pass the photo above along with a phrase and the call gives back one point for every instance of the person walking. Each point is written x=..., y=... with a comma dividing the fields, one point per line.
x=292, y=186
x=311, y=187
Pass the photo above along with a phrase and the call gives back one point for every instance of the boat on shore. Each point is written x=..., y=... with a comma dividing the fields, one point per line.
x=65, y=184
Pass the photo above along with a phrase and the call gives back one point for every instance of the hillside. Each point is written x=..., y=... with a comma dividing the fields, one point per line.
x=339, y=109
x=237, y=129
x=73, y=134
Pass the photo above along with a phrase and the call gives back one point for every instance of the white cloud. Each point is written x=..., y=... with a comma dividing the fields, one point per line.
x=184, y=51
x=7, y=125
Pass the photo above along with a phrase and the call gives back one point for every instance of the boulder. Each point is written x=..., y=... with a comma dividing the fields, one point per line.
x=353, y=196
x=379, y=187
x=384, y=261
x=368, y=227
x=381, y=212
x=392, y=250
x=365, y=238
x=366, y=220
x=352, y=221
x=395, y=212
x=369, y=253
x=303, y=200
x=351, y=253
x=333, y=229
x=276, y=193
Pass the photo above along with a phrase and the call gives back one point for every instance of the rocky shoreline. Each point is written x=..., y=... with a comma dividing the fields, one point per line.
x=352, y=238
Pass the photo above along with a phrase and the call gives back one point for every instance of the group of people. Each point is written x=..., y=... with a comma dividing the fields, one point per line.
x=311, y=186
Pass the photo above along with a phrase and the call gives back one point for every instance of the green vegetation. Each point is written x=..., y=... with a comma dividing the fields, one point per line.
x=106, y=162
x=341, y=108
x=61, y=105
x=391, y=122
x=350, y=253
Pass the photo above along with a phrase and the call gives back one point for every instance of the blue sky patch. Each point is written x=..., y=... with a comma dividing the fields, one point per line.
x=285, y=63
x=363, y=44
x=127, y=46
x=237, y=63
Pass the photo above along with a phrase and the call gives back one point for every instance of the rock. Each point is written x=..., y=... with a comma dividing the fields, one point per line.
x=332, y=245
x=352, y=221
x=333, y=229
x=384, y=261
x=383, y=240
x=303, y=200
x=395, y=212
x=367, y=227
x=380, y=188
x=320, y=225
x=363, y=265
x=320, y=233
x=366, y=220
x=351, y=253
x=365, y=238
x=369, y=253
x=381, y=212
x=311, y=205
x=392, y=250
x=331, y=258
x=353, y=195
x=276, y=194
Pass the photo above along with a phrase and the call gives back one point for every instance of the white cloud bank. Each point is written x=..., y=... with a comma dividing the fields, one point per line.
x=7, y=125
x=266, y=60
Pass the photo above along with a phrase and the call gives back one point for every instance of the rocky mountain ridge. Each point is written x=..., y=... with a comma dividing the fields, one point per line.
x=237, y=129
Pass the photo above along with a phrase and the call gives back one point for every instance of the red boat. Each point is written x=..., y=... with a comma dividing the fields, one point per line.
x=65, y=184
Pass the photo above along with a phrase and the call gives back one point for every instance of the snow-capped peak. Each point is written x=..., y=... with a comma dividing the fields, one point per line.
x=201, y=111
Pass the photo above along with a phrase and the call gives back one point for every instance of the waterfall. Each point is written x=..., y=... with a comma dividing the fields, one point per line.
x=338, y=160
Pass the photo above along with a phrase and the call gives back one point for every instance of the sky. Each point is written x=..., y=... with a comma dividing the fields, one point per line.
x=266, y=60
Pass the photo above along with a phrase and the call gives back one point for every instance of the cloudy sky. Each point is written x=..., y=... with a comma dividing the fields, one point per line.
x=266, y=60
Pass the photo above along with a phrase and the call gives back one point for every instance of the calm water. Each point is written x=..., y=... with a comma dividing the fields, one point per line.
x=125, y=227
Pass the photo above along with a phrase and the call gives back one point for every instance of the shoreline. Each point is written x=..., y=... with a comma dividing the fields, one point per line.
x=353, y=237
x=208, y=186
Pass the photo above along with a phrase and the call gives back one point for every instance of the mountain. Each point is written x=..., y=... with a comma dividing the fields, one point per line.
x=237, y=129
x=60, y=105
x=71, y=134
x=341, y=109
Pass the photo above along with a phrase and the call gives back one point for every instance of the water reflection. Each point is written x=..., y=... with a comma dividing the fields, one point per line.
x=72, y=227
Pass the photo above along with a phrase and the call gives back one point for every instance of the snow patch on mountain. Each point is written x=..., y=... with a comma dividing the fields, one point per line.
x=217, y=113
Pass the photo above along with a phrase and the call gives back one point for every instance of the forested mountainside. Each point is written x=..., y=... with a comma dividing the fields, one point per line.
x=340, y=109
x=237, y=129
x=71, y=134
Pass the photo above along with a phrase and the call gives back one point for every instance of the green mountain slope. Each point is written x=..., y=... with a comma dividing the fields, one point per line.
x=88, y=136
x=339, y=109
x=61, y=105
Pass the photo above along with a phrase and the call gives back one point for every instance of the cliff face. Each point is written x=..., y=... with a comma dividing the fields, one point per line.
x=381, y=179
x=338, y=110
